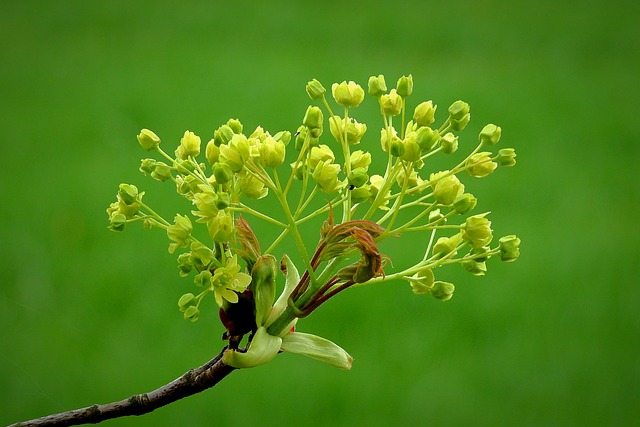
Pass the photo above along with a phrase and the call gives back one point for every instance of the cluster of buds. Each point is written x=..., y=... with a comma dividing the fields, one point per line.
x=224, y=180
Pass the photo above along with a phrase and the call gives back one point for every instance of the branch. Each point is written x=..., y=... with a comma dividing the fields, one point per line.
x=191, y=382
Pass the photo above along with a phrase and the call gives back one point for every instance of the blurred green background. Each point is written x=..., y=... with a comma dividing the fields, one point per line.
x=89, y=316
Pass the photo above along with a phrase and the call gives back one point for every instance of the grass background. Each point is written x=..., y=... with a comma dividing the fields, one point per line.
x=90, y=316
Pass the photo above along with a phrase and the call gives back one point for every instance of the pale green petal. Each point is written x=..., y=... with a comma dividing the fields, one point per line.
x=317, y=348
x=263, y=349
x=241, y=281
x=230, y=296
x=292, y=280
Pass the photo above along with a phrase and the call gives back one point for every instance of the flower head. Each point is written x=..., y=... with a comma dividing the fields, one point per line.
x=228, y=281
x=347, y=94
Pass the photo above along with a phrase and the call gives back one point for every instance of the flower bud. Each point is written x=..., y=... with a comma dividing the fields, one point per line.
x=446, y=189
x=447, y=245
x=459, y=124
x=192, y=313
x=480, y=164
x=148, y=140
x=189, y=146
x=235, y=125
x=222, y=173
x=299, y=169
x=509, y=248
x=464, y=203
x=186, y=300
x=212, y=152
x=354, y=132
x=360, y=194
x=427, y=138
x=315, y=90
x=223, y=135
x=128, y=194
x=252, y=187
x=223, y=200
x=358, y=177
x=405, y=86
x=424, y=113
x=147, y=166
x=490, y=134
x=442, y=290
x=391, y=103
x=458, y=110
x=360, y=159
x=271, y=153
x=412, y=150
x=301, y=134
x=117, y=222
x=507, y=157
x=320, y=154
x=283, y=136
x=377, y=85
x=475, y=267
x=387, y=138
x=422, y=282
x=313, y=118
x=179, y=232
x=477, y=231
x=449, y=143
x=236, y=153
x=347, y=94
x=184, y=264
x=396, y=148
x=161, y=172
x=325, y=174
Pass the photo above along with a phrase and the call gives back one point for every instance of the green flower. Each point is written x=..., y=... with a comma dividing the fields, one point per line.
x=442, y=290
x=446, y=189
x=507, y=157
x=391, y=103
x=148, y=140
x=477, y=230
x=228, y=281
x=377, y=85
x=490, y=134
x=509, y=248
x=271, y=153
x=355, y=130
x=347, y=94
x=315, y=90
x=325, y=174
x=179, y=233
x=189, y=146
x=424, y=113
x=405, y=86
x=480, y=164
x=360, y=159
x=422, y=282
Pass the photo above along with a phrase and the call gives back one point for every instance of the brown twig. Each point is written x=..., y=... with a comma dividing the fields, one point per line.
x=191, y=382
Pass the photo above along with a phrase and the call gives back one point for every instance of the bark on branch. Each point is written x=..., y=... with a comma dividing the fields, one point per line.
x=191, y=382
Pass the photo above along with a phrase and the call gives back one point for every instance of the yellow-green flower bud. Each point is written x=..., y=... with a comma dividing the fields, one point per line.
x=509, y=248
x=424, y=113
x=347, y=94
x=283, y=136
x=360, y=159
x=412, y=150
x=459, y=124
x=315, y=90
x=387, y=138
x=271, y=153
x=325, y=174
x=355, y=130
x=477, y=268
x=189, y=146
x=252, y=187
x=427, y=138
x=236, y=153
x=301, y=134
x=147, y=166
x=320, y=154
x=223, y=135
x=313, y=118
x=377, y=85
x=179, y=232
x=223, y=200
x=192, y=313
x=449, y=143
x=221, y=227
x=391, y=103
x=458, y=110
x=464, y=203
x=442, y=290
x=161, y=172
x=422, y=282
x=376, y=183
x=184, y=264
x=128, y=193
x=447, y=245
x=299, y=169
x=360, y=194
x=212, y=152
x=480, y=164
x=235, y=125
x=477, y=231
x=507, y=157
x=200, y=255
x=490, y=134
x=446, y=189
x=405, y=86
x=396, y=148
x=358, y=177
x=186, y=300
x=148, y=140
x=117, y=222
x=222, y=173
